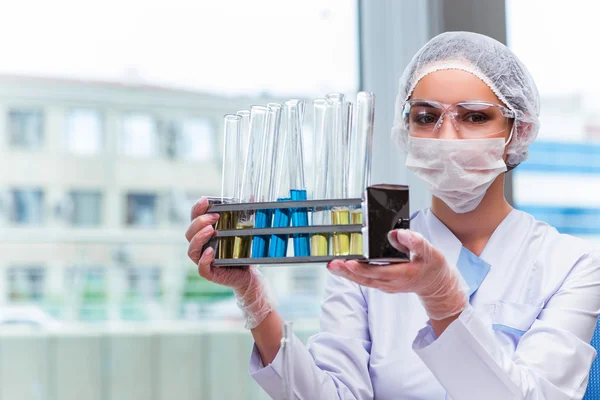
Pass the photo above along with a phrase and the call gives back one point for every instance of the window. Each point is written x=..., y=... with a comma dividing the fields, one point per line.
x=86, y=208
x=89, y=285
x=191, y=139
x=141, y=210
x=560, y=181
x=26, y=283
x=25, y=129
x=27, y=206
x=84, y=132
x=144, y=283
x=180, y=205
x=139, y=136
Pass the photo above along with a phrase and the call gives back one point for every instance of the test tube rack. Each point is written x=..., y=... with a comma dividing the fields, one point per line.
x=384, y=207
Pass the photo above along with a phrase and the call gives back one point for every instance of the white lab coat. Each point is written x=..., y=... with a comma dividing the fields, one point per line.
x=525, y=334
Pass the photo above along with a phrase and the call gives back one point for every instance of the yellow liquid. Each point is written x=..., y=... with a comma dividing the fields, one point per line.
x=227, y=220
x=242, y=245
x=356, y=245
x=341, y=241
x=318, y=245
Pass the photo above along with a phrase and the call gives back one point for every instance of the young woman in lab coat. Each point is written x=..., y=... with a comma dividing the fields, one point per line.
x=493, y=305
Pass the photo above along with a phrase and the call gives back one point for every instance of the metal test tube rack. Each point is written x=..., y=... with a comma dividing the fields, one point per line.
x=312, y=205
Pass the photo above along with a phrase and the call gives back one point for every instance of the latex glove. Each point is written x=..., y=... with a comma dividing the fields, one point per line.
x=249, y=286
x=440, y=287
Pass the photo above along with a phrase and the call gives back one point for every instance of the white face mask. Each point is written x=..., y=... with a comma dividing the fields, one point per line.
x=458, y=172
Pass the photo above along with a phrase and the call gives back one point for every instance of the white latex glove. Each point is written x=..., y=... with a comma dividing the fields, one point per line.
x=249, y=286
x=440, y=287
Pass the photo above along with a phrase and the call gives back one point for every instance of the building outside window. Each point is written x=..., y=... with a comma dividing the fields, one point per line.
x=26, y=129
x=141, y=210
x=26, y=283
x=90, y=286
x=87, y=207
x=192, y=139
x=139, y=136
x=27, y=206
x=84, y=134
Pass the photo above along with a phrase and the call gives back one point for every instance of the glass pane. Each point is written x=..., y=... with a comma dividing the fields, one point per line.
x=560, y=181
x=26, y=129
x=139, y=137
x=27, y=206
x=141, y=210
x=198, y=140
x=87, y=208
x=84, y=132
x=26, y=284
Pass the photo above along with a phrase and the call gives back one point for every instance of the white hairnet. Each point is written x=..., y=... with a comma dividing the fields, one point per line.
x=495, y=65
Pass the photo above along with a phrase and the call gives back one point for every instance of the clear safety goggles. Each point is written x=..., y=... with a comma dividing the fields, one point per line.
x=471, y=119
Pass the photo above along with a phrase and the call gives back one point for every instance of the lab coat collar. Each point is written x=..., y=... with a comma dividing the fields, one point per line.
x=473, y=268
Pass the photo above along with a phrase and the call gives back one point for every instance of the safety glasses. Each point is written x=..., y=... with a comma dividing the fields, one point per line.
x=471, y=119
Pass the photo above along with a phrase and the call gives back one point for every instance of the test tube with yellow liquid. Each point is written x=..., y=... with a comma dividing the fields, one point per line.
x=319, y=242
x=359, y=159
x=229, y=180
x=337, y=176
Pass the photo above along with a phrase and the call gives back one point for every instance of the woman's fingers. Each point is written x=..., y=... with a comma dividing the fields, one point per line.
x=205, y=264
x=198, y=242
x=200, y=223
x=201, y=207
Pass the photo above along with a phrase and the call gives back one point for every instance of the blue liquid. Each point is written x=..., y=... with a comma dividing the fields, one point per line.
x=300, y=218
x=278, y=245
x=260, y=244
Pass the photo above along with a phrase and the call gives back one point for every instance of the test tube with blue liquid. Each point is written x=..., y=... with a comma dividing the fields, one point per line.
x=250, y=183
x=263, y=218
x=294, y=114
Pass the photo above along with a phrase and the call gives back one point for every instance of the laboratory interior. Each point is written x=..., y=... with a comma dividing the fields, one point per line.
x=126, y=125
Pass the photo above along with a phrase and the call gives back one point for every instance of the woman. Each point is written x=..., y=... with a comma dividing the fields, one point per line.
x=493, y=305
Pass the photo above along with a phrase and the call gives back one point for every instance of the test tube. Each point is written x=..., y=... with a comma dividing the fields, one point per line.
x=281, y=189
x=294, y=112
x=359, y=171
x=288, y=361
x=319, y=242
x=251, y=177
x=336, y=180
x=260, y=244
x=229, y=180
x=242, y=150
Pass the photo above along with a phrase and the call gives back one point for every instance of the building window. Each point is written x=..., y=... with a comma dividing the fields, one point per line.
x=27, y=206
x=84, y=132
x=86, y=208
x=192, y=139
x=25, y=129
x=89, y=285
x=144, y=283
x=180, y=204
x=26, y=284
x=139, y=136
x=141, y=210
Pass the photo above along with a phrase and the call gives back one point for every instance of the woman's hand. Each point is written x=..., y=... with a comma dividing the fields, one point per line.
x=439, y=286
x=248, y=284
